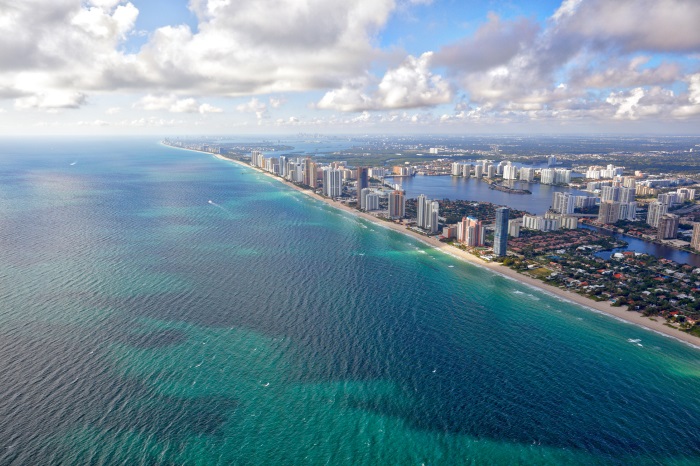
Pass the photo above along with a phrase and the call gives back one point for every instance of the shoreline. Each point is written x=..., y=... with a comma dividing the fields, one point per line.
x=601, y=307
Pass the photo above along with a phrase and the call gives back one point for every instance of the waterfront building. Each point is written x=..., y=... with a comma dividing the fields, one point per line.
x=362, y=178
x=563, y=203
x=585, y=201
x=514, y=227
x=542, y=223
x=490, y=172
x=471, y=232
x=427, y=214
x=377, y=172
x=609, y=212
x=500, y=236
x=397, y=204
x=547, y=176
x=256, y=158
x=562, y=221
x=555, y=176
x=372, y=202
x=310, y=173
x=449, y=231
x=551, y=161
x=282, y=166
x=695, y=241
x=527, y=174
x=456, y=169
x=478, y=171
x=363, y=198
x=501, y=167
x=668, y=227
x=332, y=182
x=656, y=211
x=510, y=172
x=467, y=170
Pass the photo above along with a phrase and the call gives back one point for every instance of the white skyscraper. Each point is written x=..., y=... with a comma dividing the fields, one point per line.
x=427, y=214
x=510, y=172
x=332, y=182
x=563, y=203
x=656, y=211
x=527, y=174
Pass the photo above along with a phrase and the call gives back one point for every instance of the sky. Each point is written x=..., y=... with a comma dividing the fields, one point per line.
x=179, y=67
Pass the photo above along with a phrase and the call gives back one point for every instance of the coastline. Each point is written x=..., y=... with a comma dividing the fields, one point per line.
x=603, y=307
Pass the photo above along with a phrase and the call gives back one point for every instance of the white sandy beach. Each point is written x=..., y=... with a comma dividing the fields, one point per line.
x=602, y=306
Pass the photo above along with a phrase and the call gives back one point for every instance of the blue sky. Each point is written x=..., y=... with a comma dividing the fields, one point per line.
x=339, y=66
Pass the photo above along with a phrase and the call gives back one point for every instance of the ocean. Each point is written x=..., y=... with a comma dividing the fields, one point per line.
x=160, y=306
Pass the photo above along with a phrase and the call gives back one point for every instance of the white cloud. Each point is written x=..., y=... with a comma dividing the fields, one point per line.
x=652, y=25
x=173, y=104
x=93, y=123
x=410, y=85
x=254, y=106
x=51, y=101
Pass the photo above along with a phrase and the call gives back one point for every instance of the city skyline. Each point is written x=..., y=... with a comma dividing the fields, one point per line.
x=418, y=66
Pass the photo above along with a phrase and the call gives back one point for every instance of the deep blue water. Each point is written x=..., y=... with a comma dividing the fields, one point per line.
x=160, y=306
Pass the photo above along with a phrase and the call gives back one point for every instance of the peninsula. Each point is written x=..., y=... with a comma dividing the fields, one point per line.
x=604, y=307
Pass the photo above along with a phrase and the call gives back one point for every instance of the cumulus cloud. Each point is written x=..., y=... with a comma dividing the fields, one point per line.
x=633, y=25
x=254, y=106
x=173, y=104
x=51, y=101
x=493, y=44
x=411, y=84
x=239, y=48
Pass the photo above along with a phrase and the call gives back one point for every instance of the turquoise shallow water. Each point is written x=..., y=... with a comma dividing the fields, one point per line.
x=142, y=324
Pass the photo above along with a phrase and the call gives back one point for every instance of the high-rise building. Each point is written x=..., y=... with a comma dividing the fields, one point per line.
x=500, y=236
x=555, y=176
x=547, y=176
x=470, y=231
x=362, y=178
x=397, y=204
x=332, y=182
x=668, y=198
x=510, y=172
x=563, y=203
x=490, y=171
x=456, y=169
x=527, y=174
x=656, y=210
x=628, y=211
x=668, y=227
x=627, y=195
x=610, y=193
x=427, y=214
x=363, y=198
x=695, y=241
x=283, y=166
x=310, y=173
x=372, y=202
x=514, y=227
x=609, y=212
x=478, y=171
x=467, y=170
